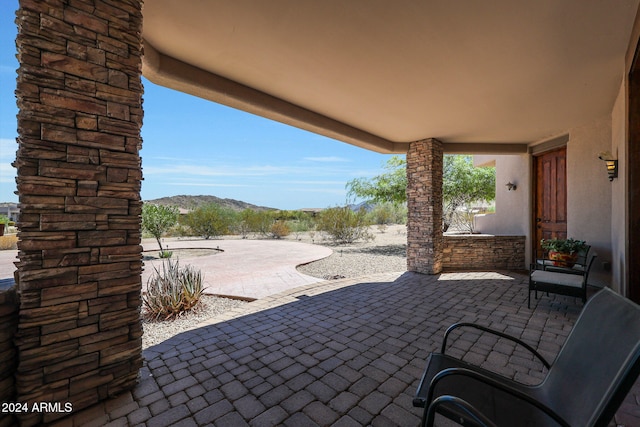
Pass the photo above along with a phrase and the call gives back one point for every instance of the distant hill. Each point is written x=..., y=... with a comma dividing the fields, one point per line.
x=192, y=202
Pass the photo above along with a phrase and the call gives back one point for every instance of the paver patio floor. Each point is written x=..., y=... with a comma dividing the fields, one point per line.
x=343, y=353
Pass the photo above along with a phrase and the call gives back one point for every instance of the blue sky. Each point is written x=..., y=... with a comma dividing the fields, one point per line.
x=192, y=146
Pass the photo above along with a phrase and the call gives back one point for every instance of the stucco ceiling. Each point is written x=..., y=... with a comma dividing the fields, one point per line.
x=381, y=73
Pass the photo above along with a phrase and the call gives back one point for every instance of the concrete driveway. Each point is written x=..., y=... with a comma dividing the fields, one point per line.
x=249, y=269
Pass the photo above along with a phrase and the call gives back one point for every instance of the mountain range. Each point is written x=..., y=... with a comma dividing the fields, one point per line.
x=192, y=202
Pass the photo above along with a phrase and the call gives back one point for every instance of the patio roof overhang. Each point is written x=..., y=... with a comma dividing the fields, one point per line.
x=493, y=76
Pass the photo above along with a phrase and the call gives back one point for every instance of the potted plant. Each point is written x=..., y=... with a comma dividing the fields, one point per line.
x=4, y=221
x=563, y=252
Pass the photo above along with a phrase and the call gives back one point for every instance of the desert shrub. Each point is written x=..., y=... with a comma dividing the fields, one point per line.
x=210, y=220
x=387, y=213
x=172, y=291
x=158, y=219
x=301, y=225
x=343, y=225
x=399, y=213
x=279, y=229
x=241, y=227
x=381, y=214
x=258, y=222
x=290, y=215
x=8, y=242
x=181, y=229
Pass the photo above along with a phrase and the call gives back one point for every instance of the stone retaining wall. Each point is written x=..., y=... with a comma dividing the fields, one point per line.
x=8, y=353
x=483, y=252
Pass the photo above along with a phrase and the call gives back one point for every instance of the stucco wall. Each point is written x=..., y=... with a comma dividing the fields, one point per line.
x=618, y=192
x=512, y=213
x=589, y=192
x=593, y=203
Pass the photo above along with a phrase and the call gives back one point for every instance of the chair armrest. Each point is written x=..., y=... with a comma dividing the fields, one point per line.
x=429, y=414
x=478, y=376
x=494, y=332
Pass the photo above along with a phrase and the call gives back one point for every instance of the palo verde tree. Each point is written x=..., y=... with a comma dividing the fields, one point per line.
x=158, y=219
x=390, y=186
x=463, y=184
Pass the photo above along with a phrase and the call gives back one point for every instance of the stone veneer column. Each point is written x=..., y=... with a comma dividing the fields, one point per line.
x=424, y=202
x=79, y=95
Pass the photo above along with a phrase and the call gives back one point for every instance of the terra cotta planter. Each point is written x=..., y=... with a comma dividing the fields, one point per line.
x=561, y=259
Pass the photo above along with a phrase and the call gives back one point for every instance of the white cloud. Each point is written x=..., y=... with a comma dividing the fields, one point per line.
x=8, y=148
x=328, y=159
x=311, y=182
x=205, y=184
x=231, y=170
x=171, y=159
x=7, y=173
x=188, y=170
x=319, y=190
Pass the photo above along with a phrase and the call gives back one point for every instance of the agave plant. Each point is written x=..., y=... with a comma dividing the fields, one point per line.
x=192, y=287
x=172, y=290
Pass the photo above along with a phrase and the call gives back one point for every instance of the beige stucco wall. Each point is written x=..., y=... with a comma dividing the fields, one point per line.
x=512, y=215
x=618, y=194
x=590, y=195
x=589, y=192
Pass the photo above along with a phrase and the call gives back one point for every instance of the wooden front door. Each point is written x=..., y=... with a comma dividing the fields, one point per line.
x=550, y=195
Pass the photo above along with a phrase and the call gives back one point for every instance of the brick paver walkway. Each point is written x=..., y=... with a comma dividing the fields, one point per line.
x=344, y=353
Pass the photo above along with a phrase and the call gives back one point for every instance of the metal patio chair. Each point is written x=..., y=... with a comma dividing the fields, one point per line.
x=560, y=281
x=593, y=372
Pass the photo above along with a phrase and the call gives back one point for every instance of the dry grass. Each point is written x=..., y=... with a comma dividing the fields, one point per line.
x=8, y=242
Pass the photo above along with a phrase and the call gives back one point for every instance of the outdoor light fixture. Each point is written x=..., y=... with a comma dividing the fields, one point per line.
x=612, y=164
x=511, y=186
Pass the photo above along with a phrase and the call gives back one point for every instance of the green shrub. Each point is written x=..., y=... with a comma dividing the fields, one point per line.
x=210, y=220
x=172, y=291
x=299, y=226
x=258, y=222
x=343, y=225
x=166, y=254
x=387, y=213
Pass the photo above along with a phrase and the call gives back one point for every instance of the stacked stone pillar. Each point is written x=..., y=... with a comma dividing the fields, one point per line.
x=79, y=95
x=424, y=202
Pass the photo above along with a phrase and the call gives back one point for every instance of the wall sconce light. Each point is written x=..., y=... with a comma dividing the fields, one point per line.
x=511, y=186
x=611, y=162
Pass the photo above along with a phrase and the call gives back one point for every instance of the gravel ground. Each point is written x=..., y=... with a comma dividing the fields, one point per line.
x=385, y=253
x=157, y=331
